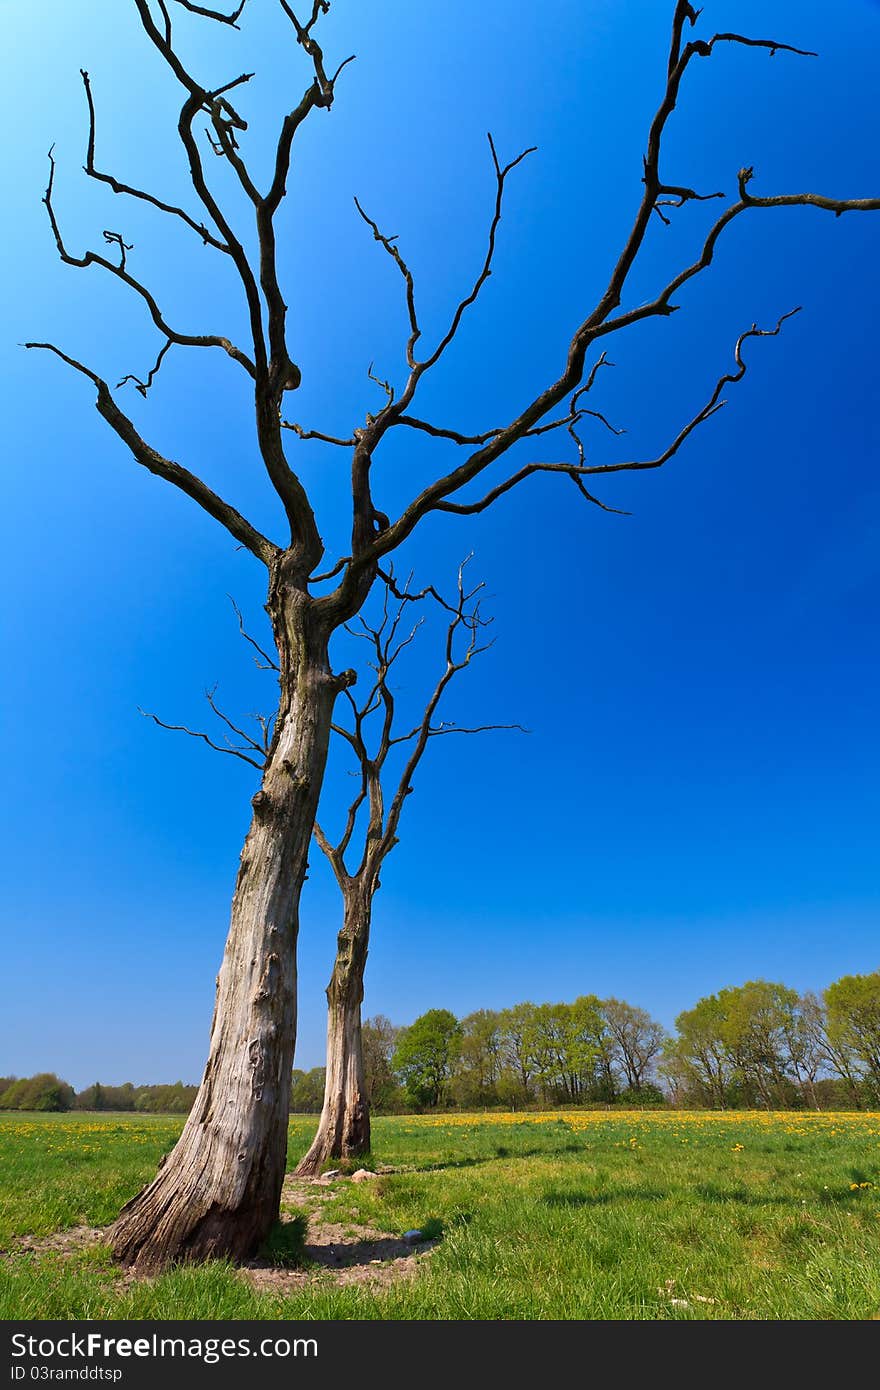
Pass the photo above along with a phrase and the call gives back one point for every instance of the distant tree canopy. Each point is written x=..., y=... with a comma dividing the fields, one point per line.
x=46, y=1091
x=761, y=1044
x=425, y=1055
x=853, y=1029
x=307, y=1091
x=176, y=1099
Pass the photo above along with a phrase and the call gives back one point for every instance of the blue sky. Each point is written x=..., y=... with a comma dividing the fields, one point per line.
x=697, y=801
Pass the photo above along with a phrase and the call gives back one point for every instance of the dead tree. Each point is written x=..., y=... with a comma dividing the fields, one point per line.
x=372, y=734
x=344, y=1128
x=218, y=1192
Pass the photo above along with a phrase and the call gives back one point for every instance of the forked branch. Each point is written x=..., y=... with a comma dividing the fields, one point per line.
x=117, y=186
x=250, y=748
x=244, y=752
x=581, y=469
x=149, y=458
x=463, y=642
x=121, y=272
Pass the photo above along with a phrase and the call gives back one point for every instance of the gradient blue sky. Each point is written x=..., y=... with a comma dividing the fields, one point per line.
x=697, y=802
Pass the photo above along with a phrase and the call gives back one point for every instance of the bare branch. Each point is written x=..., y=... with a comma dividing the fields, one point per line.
x=527, y=471
x=574, y=414
x=274, y=372
x=316, y=434
x=662, y=304
x=207, y=237
x=331, y=573
x=462, y=619
x=577, y=471
x=213, y=14
x=771, y=44
x=352, y=57
x=589, y=497
x=388, y=243
x=602, y=319
x=387, y=577
x=332, y=854
x=195, y=102
x=195, y=733
x=712, y=406
x=250, y=742
x=121, y=273
x=386, y=386
x=445, y=728
x=501, y=175
x=154, y=462
x=267, y=663
x=382, y=635
x=144, y=386
x=455, y=437
x=676, y=197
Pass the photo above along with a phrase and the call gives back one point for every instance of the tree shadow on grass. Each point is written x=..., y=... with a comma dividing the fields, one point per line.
x=740, y=1196
x=284, y=1247
x=563, y=1199
x=345, y=1254
x=501, y=1152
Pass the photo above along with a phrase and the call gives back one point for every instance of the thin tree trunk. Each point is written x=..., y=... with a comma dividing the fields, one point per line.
x=344, y=1128
x=218, y=1192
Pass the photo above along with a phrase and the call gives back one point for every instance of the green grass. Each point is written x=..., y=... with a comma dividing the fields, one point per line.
x=594, y=1215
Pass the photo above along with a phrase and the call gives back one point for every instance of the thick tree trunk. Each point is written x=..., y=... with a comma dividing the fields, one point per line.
x=344, y=1128
x=218, y=1192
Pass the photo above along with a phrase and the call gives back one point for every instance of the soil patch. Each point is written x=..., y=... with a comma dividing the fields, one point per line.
x=338, y=1252
x=64, y=1242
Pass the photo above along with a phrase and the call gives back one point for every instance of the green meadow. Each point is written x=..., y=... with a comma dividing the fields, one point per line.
x=580, y=1215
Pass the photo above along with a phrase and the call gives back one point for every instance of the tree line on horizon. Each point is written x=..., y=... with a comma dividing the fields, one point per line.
x=48, y=1092
x=756, y=1045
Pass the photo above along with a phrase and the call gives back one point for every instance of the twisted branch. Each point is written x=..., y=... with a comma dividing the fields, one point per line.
x=121, y=273
x=577, y=471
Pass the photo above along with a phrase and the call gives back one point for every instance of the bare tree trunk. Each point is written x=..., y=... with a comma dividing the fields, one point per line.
x=344, y=1129
x=218, y=1192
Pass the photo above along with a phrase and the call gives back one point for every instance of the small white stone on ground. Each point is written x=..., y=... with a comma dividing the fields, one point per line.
x=413, y=1237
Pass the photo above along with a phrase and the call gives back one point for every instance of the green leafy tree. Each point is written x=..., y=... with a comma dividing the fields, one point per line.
x=759, y=1019
x=479, y=1060
x=697, y=1063
x=425, y=1055
x=593, y=1049
x=568, y=1046
x=853, y=1009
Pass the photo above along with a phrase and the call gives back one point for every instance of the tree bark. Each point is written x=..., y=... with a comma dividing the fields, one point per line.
x=218, y=1192
x=344, y=1128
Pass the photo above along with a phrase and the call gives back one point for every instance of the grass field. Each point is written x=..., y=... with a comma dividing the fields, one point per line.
x=584, y=1215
